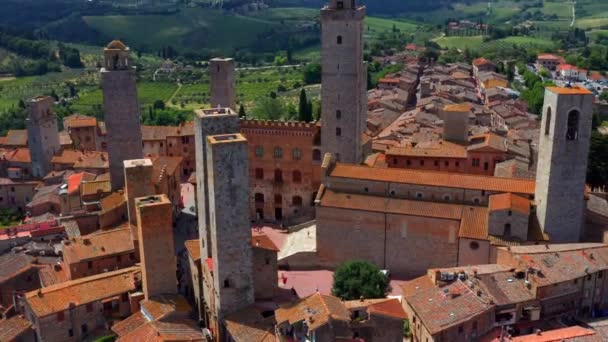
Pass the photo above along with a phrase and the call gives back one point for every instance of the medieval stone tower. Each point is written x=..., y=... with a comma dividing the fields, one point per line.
x=121, y=110
x=138, y=183
x=42, y=134
x=344, y=83
x=208, y=122
x=222, y=82
x=156, y=246
x=562, y=162
x=230, y=230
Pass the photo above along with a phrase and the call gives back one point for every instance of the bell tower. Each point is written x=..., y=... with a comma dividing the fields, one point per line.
x=344, y=80
x=562, y=162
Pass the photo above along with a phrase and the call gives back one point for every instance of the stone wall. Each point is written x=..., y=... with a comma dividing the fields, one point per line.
x=265, y=276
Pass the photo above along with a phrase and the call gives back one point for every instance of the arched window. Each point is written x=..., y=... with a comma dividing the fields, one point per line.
x=259, y=198
x=573, y=119
x=474, y=245
x=278, y=153
x=278, y=176
x=339, y=40
x=316, y=155
x=226, y=283
x=338, y=114
x=297, y=176
x=297, y=201
x=296, y=154
x=548, y=121
x=259, y=151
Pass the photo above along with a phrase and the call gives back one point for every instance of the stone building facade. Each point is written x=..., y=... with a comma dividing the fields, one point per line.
x=284, y=169
x=222, y=83
x=208, y=122
x=43, y=136
x=138, y=183
x=563, y=149
x=344, y=78
x=156, y=247
x=121, y=110
x=229, y=287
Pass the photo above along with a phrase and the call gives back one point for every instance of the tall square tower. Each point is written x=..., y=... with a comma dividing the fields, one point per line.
x=222, y=82
x=156, y=248
x=42, y=134
x=138, y=183
x=208, y=122
x=230, y=228
x=562, y=162
x=344, y=80
x=121, y=111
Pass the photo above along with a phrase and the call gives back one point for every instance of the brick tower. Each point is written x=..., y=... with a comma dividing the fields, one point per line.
x=344, y=99
x=562, y=162
x=156, y=248
x=222, y=82
x=42, y=134
x=208, y=122
x=121, y=110
x=138, y=183
x=230, y=229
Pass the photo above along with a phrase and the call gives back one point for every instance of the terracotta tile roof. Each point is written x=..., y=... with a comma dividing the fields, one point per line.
x=100, y=245
x=363, y=303
x=103, y=177
x=508, y=201
x=389, y=80
x=548, y=56
x=129, y=324
x=155, y=133
x=80, y=121
x=74, y=182
x=52, y=274
x=114, y=200
x=391, y=205
x=316, y=310
x=12, y=264
x=16, y=138
x=13, y=328
x=52, y=299
x=431, y=178
x=416, y=285
x=263, y=242
x=560, y=263
x=481, y=61
x=496, y=240
x=194, y=249
x=95, y=187
x=458, y=108
x=570, y=91
x=437, y=149
x=557, y=335
x=248, y=325
x=505, y=288
x=164, y=331
x=391, y=308
x=20, y=155
x=170, y=165
x=488, y=140
x=66, y=156
x=159, y=306
x=92, y=160
x=474, y=223
x=453, y=304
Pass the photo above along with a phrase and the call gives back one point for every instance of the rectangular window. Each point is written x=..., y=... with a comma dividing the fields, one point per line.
x=89, y=307
x=259, y=151
x=259, y=173
x=60, y=316
x=89, y=264
x=338, y=131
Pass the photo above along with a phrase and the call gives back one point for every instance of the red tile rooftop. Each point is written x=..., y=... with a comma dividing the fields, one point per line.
x=570, y=91
x=557, y=335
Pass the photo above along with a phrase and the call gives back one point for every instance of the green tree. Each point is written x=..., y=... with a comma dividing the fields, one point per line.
x=356, y=279
x=242, y=113
x=269, y=108
x=304, y=110
x=159, y=104
x=604, y=96
x=312, y=73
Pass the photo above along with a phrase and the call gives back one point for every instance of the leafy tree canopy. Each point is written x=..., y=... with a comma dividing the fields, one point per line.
x=356, y=279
